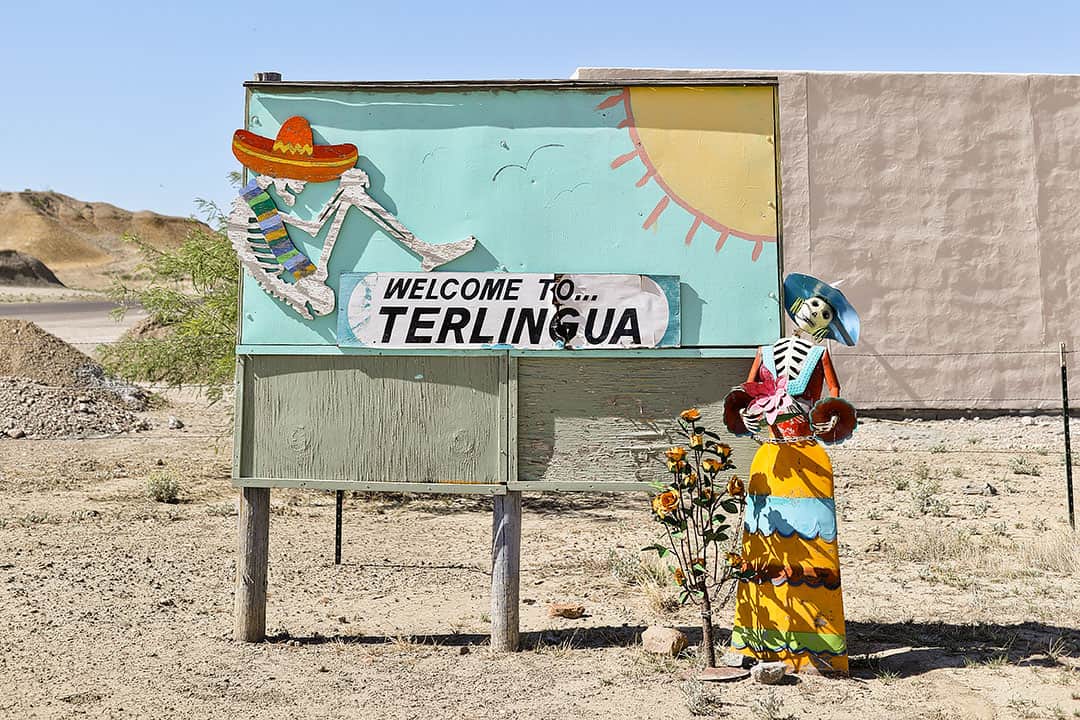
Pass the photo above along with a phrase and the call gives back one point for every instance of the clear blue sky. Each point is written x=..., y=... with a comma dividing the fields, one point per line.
x=134, y=103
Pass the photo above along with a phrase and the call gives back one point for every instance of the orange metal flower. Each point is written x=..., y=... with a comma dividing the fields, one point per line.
x=676, y=453
x=697, y=442
x=691, y=415
x=680, y=577
x=735, y=487
x=666, y=503
x=711, y=465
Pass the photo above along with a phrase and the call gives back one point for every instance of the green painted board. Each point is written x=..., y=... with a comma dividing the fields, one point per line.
x=601, y=424
x=336, y=421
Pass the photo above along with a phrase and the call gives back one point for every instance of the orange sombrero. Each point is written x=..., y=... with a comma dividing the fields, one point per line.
x=293, y=153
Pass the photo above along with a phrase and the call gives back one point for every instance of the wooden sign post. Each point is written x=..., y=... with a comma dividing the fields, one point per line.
x=533, y=272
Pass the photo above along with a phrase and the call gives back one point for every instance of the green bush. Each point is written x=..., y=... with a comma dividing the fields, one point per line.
x=163, y=488
x=192, y=294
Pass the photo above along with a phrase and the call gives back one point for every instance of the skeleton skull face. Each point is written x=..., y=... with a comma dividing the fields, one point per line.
x=813, y=316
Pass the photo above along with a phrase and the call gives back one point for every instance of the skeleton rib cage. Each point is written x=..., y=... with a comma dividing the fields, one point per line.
x=259, y=259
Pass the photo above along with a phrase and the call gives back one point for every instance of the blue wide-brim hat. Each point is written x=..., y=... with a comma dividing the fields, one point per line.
x=844, y=326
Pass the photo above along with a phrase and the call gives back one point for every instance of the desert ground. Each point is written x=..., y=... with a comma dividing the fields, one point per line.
x=959, y=604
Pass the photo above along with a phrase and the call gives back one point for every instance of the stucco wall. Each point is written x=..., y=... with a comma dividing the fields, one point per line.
x=949, y=207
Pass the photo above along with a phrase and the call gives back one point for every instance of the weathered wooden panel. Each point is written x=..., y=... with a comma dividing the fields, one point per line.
x=374, y=419
x=589, y=423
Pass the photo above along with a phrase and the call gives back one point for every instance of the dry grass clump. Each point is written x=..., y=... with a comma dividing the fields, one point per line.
x=700, y=700
x=1056, y=551
x=956, y=555
x=648, y=573
x=770, y=706
x=942, y=545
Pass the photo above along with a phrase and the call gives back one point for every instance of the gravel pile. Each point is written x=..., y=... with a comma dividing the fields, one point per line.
x=28, y=409
x=48, y=389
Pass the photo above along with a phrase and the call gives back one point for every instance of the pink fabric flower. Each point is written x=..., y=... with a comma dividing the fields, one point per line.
x=769, y=396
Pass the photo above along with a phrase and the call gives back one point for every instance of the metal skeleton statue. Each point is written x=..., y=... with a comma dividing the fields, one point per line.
x=256, y=228
x=792, y=607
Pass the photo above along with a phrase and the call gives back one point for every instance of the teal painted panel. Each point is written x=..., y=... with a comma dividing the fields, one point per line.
x=530, y=174
x=403, y=420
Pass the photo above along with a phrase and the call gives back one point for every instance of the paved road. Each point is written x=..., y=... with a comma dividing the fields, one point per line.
x=84, y=324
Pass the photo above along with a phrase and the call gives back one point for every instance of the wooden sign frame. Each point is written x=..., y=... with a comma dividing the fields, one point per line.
x=552, y=413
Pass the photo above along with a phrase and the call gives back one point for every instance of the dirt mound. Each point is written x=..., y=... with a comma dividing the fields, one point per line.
x=18, y=268
x=29, y=352
x=28, y=409
x=81, y=241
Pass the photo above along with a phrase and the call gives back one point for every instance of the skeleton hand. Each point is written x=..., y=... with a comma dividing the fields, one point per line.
x=283, y=186
x=354, y=177
x=752, y=421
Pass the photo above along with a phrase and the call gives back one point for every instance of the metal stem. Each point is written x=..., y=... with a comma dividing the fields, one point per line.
x=337, y=526
x=1068, y=443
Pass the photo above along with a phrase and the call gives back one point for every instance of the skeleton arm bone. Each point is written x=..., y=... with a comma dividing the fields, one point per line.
x=354, y=184
x=830, y=375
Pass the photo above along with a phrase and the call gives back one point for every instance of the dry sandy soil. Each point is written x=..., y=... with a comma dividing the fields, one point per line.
x=113, y=605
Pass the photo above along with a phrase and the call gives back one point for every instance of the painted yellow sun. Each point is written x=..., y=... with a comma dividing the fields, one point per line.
x=712, y=151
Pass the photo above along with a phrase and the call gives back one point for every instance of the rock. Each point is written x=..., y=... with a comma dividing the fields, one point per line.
x=15, y=433
x=175, y=423
x=571, y=611
x=769, y=673
x=734, y=659
x=166, y=602
x=663, y=641
x=82, y=407
x=980, y=489
x=463, y=650
x=1028, y=420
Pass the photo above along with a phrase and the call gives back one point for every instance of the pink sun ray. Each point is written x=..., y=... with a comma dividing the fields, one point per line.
x=651, y=173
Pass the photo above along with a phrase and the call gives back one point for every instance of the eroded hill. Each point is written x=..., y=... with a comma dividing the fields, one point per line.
x=81, y=241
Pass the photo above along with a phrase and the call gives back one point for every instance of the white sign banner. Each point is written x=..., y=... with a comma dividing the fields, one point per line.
x=455, y=310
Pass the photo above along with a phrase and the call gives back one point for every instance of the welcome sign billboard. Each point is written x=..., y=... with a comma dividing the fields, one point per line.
x=508, y=310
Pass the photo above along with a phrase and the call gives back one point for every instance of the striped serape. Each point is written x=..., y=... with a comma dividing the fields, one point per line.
x=296, y=264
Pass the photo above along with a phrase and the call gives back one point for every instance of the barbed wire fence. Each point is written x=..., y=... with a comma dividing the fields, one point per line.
x=880, y=408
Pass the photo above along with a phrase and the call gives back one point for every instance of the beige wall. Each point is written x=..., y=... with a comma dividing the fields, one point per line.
x=949, y=206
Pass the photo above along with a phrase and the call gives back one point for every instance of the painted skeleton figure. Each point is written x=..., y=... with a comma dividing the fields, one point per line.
x=791, y=608
x=803, y=364
x=256, y=227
